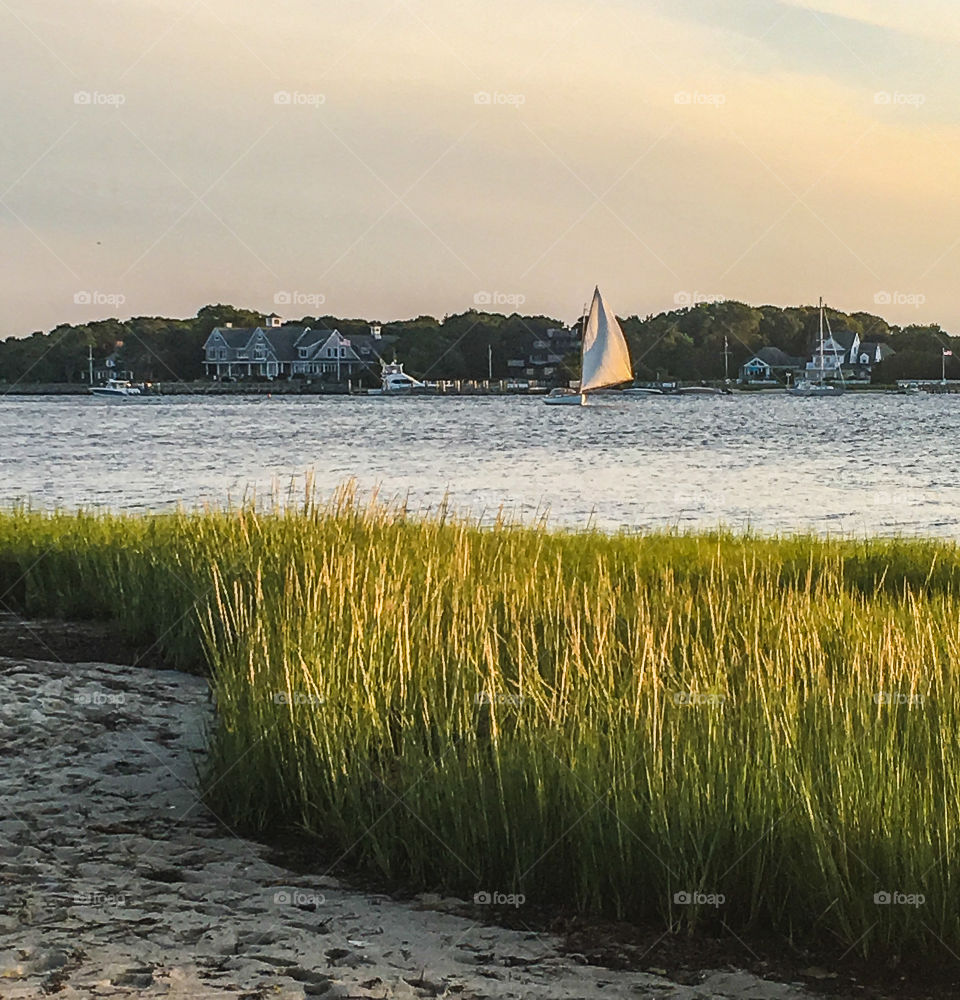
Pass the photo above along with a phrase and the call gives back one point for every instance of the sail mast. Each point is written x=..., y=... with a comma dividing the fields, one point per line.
x=821, y=338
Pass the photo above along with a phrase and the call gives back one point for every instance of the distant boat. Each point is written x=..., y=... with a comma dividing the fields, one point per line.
x=394, y=381
x=817, y=386
x=115, y=388
x=908, y=389
x=605, y=359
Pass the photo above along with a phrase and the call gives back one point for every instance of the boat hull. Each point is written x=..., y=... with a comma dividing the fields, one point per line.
x=573, y=399
x=820, y=390
x=114, y=393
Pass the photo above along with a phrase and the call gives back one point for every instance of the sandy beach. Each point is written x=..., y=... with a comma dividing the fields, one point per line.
x=117, y=881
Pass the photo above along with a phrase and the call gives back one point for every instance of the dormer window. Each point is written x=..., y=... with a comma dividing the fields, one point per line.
x=303, y=352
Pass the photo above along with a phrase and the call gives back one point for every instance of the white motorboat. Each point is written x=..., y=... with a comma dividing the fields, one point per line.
x=394, y=381
x=817, y=386
x=115, y=388
x=641, y=391
x=605, y=359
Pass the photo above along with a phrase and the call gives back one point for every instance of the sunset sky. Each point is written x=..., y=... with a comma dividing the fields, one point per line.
x=386, y=158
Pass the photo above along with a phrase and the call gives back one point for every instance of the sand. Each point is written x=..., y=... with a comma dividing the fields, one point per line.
x=116, y=881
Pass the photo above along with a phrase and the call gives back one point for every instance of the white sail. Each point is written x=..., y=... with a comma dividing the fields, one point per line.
x=606, y=360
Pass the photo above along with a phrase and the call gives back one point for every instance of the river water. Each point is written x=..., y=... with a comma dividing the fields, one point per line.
x=860, y=464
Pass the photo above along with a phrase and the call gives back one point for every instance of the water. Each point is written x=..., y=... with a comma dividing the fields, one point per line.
x=861, y=464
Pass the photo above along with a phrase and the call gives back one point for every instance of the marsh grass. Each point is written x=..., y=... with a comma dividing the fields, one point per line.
x=600, y=722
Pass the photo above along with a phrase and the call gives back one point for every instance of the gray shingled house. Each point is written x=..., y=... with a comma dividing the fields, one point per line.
x=277, y=349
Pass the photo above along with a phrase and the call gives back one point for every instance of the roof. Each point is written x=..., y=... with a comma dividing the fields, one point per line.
x=872, y=347
x=844, y=338
x=235, y=336
x=283, y=339
x=776, y=358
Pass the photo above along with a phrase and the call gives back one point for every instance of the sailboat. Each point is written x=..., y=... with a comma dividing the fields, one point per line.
x=817, y=386
x=605, y=360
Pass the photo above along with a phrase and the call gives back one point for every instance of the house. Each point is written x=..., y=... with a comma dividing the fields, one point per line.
x=547, y=352
x=769, y=365
x=277, y=349
x=870, y=353
x=839, y=349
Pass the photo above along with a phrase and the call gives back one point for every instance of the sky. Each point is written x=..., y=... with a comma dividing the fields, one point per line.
x=391, y=158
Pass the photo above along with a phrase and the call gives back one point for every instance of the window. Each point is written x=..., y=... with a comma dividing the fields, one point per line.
x=303, y=352
x=258, y=353
x=223, y=354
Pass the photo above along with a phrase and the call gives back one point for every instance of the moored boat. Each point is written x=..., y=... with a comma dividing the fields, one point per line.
x=115, y=388
x=817, y=385
x=394, y=381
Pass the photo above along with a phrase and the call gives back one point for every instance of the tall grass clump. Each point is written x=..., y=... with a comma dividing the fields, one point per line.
x=691, y=728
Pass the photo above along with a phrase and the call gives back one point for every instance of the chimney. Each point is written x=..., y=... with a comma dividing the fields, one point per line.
x=375, y=331
x=228, y=324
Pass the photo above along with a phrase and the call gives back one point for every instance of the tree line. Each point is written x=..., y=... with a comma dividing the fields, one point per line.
x=686, y=343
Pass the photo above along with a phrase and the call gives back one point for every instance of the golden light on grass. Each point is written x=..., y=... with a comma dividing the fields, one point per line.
x=602, y=722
